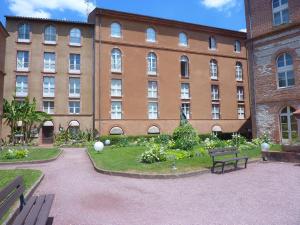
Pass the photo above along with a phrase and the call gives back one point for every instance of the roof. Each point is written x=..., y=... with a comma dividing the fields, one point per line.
x=167, y=22
x=2, y=28
x=48, y=20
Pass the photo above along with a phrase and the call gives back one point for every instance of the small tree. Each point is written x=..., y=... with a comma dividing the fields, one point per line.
x=185, y=137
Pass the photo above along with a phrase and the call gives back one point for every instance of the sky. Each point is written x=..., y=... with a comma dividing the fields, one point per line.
x=228, y=14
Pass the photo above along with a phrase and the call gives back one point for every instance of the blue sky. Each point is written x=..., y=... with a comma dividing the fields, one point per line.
x=227, y=14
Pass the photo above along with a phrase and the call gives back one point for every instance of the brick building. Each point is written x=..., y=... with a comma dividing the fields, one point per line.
x=3, y=36
x=274, y=59
x=149, y=69
x=130, y=74
x=52, y=61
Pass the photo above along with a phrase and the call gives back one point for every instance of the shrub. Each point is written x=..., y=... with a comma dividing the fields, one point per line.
x=154, y=153
x=185, y=137
x=178, y=154
x=15, y=154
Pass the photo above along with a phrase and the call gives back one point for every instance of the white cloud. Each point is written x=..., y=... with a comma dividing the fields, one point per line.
x=43, y=8
x=243, y=30
x=219, y=4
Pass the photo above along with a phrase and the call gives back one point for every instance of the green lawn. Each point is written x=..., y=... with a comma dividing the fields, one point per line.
x=127, y=160
x=34, y=154
x=29, y=177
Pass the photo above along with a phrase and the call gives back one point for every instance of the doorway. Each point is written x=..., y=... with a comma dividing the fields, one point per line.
x=289, y=127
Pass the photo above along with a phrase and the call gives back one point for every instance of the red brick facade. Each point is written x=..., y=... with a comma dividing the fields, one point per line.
x=266, y=42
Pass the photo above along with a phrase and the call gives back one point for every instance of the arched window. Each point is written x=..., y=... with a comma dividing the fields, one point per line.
x=183, y=39
x=116, y=60
x=74, y=127
x=280, y=12
x=237, y=46
x=212, y=43
x=151, y=35
x=116, y=131
x=24, y=32
x=213, y=65
x=75, y=36
x=152, y=63
x=184, y=66
x=289, y=128
x=285, y=71
x=115, y=30
x=50, y=34
x=239, y=71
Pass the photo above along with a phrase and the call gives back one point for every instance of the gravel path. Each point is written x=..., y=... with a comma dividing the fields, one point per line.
x=265, y=193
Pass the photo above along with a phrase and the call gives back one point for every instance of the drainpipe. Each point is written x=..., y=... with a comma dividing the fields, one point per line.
x=93, y=84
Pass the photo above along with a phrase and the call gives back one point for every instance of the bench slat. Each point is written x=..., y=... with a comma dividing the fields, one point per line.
x=44, y=214
x=35, y=210
x=232, y=159
x=11, y=199
x=216, y=150
x=10, y=187
x=23, y=214
x=224, y=153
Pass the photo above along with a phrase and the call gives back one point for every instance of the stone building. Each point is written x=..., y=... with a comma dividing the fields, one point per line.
x=274, y=60
x=3, y=36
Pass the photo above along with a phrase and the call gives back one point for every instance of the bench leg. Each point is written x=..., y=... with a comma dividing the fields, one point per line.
x=223, y=167
x=246, y=161
x=213, y=167
x=236, y=164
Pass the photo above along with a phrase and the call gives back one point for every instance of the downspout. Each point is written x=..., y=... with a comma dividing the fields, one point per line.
x=93, y=80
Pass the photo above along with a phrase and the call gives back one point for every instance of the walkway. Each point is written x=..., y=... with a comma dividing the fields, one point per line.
x=265, y=193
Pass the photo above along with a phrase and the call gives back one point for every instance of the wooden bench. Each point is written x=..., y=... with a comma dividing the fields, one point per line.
x=35, y=211
x=214, y=153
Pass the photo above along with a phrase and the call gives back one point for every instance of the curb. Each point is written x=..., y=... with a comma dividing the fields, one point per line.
x=153, y=176
x=28, y=195
x=32, y=162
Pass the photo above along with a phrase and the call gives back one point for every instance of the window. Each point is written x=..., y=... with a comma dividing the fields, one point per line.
x=152, y=110
x=213, y=69
x=48, y=107
x=48, y=87
x=184, y=66
x=152, y=89
x=185, y=91
x=215, y=96
x=215, y=111
x=285, y=71
x=21, y=86
x=50, y=35
x=74, y=87
x=49, y=62
x=240, y=93
x=237, y=46
x=212, y=43
x=280, y=12
x=24, y=33
x=152, y=63
x=183, y=40
x=116, y=110
x=116, y=60
x=289, y=127
x=241, y=112
x=185, y=109
x=116, y=88
x=75, y=37
x=22, y=60
x=115, y=30
x=74, y=63
x=151, y=35
x=74, y=107
x=239, y=71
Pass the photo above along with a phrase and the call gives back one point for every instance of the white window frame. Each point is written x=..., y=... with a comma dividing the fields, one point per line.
x=116, y=60
x=240, y=94
x=115, y=30
x=215, y=111
x=280, y=9
x=73, y=107
x=49, y=62
x=49, y=34
x=185, y=91
x=76, y=86
x=212, y=43
x=186, y=109
x=152, y=63
x=75, y=37
x=237, y=46
x=152, y=110
x=241, y=112
x=239, y=71
x=152, y=89
x=184, y=61
x=183, y=39
x=74, y=63
x=285, y=69
x=150, y=35
x=213, y=69
x=23, y=86
x=22, y=64
x=116, y=110
x=47, y=107
x=116, y=88
x=215, y=93
x=24, y=30
x=49, y=87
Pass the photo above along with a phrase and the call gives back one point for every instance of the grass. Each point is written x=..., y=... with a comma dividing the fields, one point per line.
x=33, y=155
x=126, y=159
x=29, y=177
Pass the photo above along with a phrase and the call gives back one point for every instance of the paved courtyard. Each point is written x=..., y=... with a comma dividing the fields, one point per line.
x=265, y=193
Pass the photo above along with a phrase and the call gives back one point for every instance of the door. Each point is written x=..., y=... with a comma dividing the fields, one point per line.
x=289, y=127
x=47, y=134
